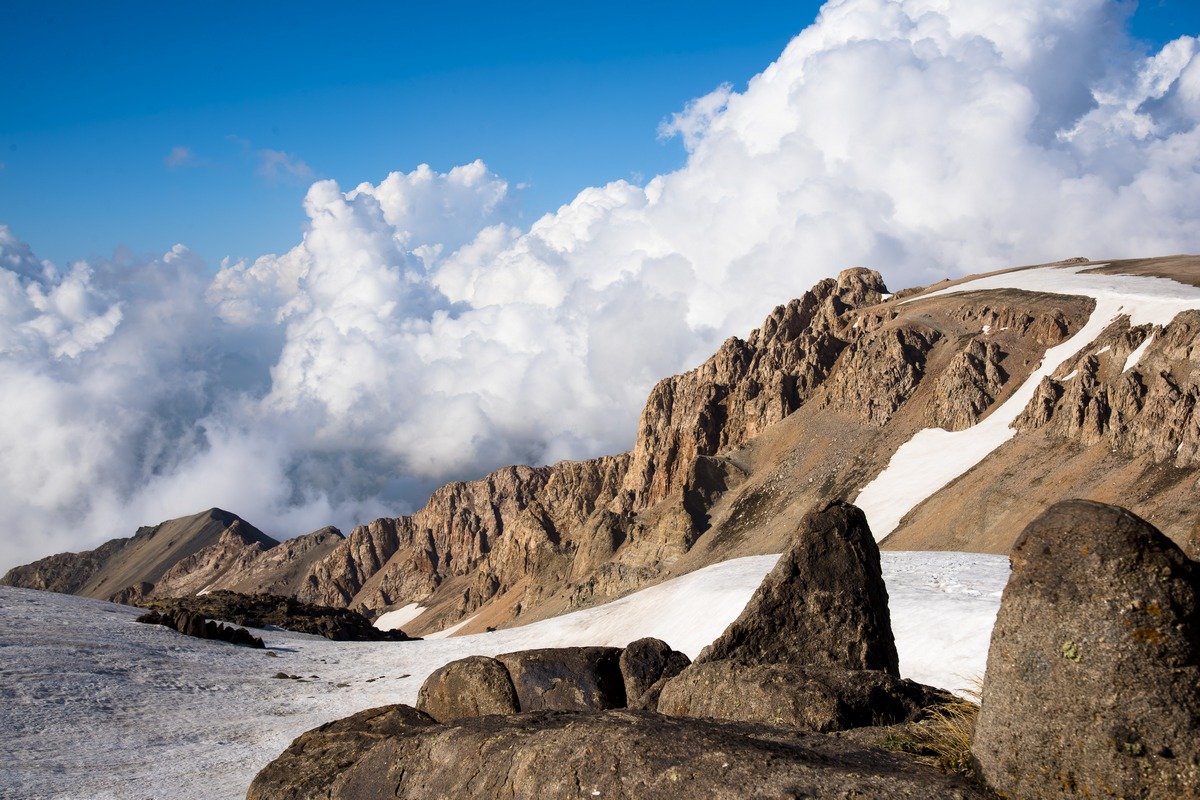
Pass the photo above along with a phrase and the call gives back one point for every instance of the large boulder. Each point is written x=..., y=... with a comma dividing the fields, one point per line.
x=470, y=687
x=647, y=663
x=311, y=764
x=613, y=754
x=824, y=603
x=566, y=678
x=1093, y=676
x=812, y=698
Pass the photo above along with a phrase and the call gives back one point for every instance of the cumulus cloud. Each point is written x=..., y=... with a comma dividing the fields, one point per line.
x=418, y=332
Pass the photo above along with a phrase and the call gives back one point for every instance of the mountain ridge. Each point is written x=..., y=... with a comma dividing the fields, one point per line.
x=808, y=408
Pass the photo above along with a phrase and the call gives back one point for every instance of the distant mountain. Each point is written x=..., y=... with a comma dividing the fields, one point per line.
x=118, y=569
x=952, y=414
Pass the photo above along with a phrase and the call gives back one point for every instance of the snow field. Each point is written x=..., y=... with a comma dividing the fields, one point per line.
x=94, y=706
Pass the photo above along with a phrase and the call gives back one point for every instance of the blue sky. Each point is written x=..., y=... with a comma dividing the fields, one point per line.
x=418, y=333
x=553, y=96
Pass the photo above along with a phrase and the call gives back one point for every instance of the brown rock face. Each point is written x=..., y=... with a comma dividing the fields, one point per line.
x=312, y=763
x=745, y=387
x=969, y=385
x=566, y=678
x=817, y=699
x=1149, y=408
x=469, y=687
x=613, y=754
x=1093, y=677
x=824, y=603
x=880, y=372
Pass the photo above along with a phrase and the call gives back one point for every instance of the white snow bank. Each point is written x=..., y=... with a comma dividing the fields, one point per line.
x=96, y=706
x=1132, y=360
x=934, y=457
x=396, y=619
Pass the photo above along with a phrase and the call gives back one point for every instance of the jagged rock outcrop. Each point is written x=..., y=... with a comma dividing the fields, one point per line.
x=1093, y=676
x=745, y=387
x=1137, y=390
x=202, y=569
x=611, y=754
x=880, y=372
x=969, y=385
x=823, y=604
x=335, y=579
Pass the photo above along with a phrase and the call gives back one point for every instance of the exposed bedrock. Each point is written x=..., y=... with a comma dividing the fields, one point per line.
x=615, y=754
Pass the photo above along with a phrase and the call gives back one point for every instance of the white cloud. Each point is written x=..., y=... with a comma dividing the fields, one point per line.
x=418, y=333
x=180, y=156
x=278, y=166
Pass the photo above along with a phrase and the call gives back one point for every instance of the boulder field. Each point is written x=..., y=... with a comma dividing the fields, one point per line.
x=1092, y=690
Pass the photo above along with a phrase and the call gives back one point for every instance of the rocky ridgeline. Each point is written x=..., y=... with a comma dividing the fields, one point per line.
x=1092, y=691
x=526, y=542
x=267, y=610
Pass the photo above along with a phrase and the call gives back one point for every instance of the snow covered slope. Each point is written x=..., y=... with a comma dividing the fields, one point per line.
x=94, y=705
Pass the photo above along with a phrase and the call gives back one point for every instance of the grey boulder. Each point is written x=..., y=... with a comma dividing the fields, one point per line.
x=1093, y=676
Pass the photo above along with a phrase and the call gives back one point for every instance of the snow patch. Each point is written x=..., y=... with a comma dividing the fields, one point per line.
x=1136, y=355
x=395, y=619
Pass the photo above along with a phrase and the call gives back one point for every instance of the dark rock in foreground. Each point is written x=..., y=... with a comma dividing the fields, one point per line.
x=261, y=610
x=314, y=760
x=612, y=754
x=824, y=603
x=646, y=664
x=469, y=687
x=566, y=678
x=197, y=626
x=1093, y=676
x=812, y=698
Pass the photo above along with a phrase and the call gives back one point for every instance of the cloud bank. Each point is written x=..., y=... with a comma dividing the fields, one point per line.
x=417, y=333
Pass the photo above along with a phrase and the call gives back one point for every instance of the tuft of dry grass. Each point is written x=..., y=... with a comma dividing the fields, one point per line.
x=943, y=738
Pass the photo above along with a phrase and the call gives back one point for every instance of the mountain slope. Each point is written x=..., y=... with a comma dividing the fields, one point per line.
x=123, y=568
